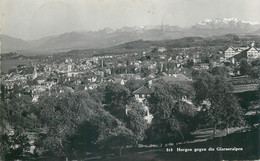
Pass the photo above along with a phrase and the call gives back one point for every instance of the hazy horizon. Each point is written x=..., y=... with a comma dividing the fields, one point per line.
x=34, y=19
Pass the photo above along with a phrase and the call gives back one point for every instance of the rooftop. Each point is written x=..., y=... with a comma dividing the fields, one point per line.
x=144, y=90
x=176, y=78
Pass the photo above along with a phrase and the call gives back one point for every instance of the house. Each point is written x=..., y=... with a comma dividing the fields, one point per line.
x=108, y=79
x=162, y=56
x=161, y=49
x=243, y=80
x=172, y=71
x=204, y=66
x=230, y=71
x=201, y=66
x=152, y=76
x=92, y=86
x=143, y=92
x=40, y=79
x=74, y=73
x=235, y=54
x=232, y=51
x=221, y=59
x=175, y=78
x=253, y=53
x=130, y=76
x=119, y=81
x=141, y=95
x=91, y=78
x=249, y=54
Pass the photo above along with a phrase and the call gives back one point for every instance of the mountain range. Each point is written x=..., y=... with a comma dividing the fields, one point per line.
x=109, y=37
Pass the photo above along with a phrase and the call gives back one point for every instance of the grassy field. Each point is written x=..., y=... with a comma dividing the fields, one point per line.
x=248, y=141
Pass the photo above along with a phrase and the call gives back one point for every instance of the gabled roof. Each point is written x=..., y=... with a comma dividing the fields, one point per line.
x=24, y=98
x=151, y=75
x=232, y=48
x=79, y=87
x=176, y=78
x=237, y=49
x=163, y=74
x=144, y=90
x=241, y=55
x=118, y=80
x=254, y=48
x=40, y=78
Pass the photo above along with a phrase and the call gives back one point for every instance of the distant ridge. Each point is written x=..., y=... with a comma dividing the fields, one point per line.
x=9, y=44
x=108, y=37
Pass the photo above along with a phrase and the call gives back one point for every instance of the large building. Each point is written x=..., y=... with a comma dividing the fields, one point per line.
x=242, y=52
x=147, y=90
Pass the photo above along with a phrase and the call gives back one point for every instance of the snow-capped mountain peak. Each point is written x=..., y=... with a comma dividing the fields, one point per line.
x=252, y=22
x=108, y=30
x=225, y=21
x=218, y=21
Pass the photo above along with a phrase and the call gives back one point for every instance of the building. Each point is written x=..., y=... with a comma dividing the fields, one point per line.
x=118, y=81
x=242, y=52
x=175, y=78
x=141, y=95
x=232, y=51
x=143, y=92
x=162, y=49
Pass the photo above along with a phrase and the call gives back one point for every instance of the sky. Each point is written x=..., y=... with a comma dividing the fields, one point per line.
x=33, y=19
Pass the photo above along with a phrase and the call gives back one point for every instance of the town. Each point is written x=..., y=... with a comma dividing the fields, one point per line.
x=137, y=88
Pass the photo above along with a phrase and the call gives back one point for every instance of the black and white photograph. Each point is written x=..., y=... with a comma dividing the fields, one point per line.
x=130, y=80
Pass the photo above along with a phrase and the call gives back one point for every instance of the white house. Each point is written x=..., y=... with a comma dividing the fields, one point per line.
x=242, y=52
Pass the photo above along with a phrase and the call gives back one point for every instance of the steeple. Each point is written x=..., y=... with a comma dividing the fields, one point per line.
x=35, y=74
x=253, y=44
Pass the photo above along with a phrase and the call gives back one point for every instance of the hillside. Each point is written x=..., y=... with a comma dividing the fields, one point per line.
x=11, y=44
x=108, y=37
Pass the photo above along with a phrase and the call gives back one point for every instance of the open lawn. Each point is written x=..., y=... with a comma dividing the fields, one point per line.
x=247, y=144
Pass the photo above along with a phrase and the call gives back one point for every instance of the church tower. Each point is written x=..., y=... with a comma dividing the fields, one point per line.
x=35, y=72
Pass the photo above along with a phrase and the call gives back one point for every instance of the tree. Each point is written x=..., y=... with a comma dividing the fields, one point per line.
x=220, y=71
x=244, y=67
x=223, y=108
x=190, y=63
x=135, y=121
x=115, y=137
x=61, y=115
x=195, y=74
x=78, y=123
x=255, y=72
x=203, y=85
x=224, y=105
x=15, y=146
x=133, y=84
x=116, y=97
x=205, y=58
x=145, y=70
x=3, y=92
x=165, y=105
x=256, y=62
x=101, y=133
x=254, y=107
x=233, y=114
